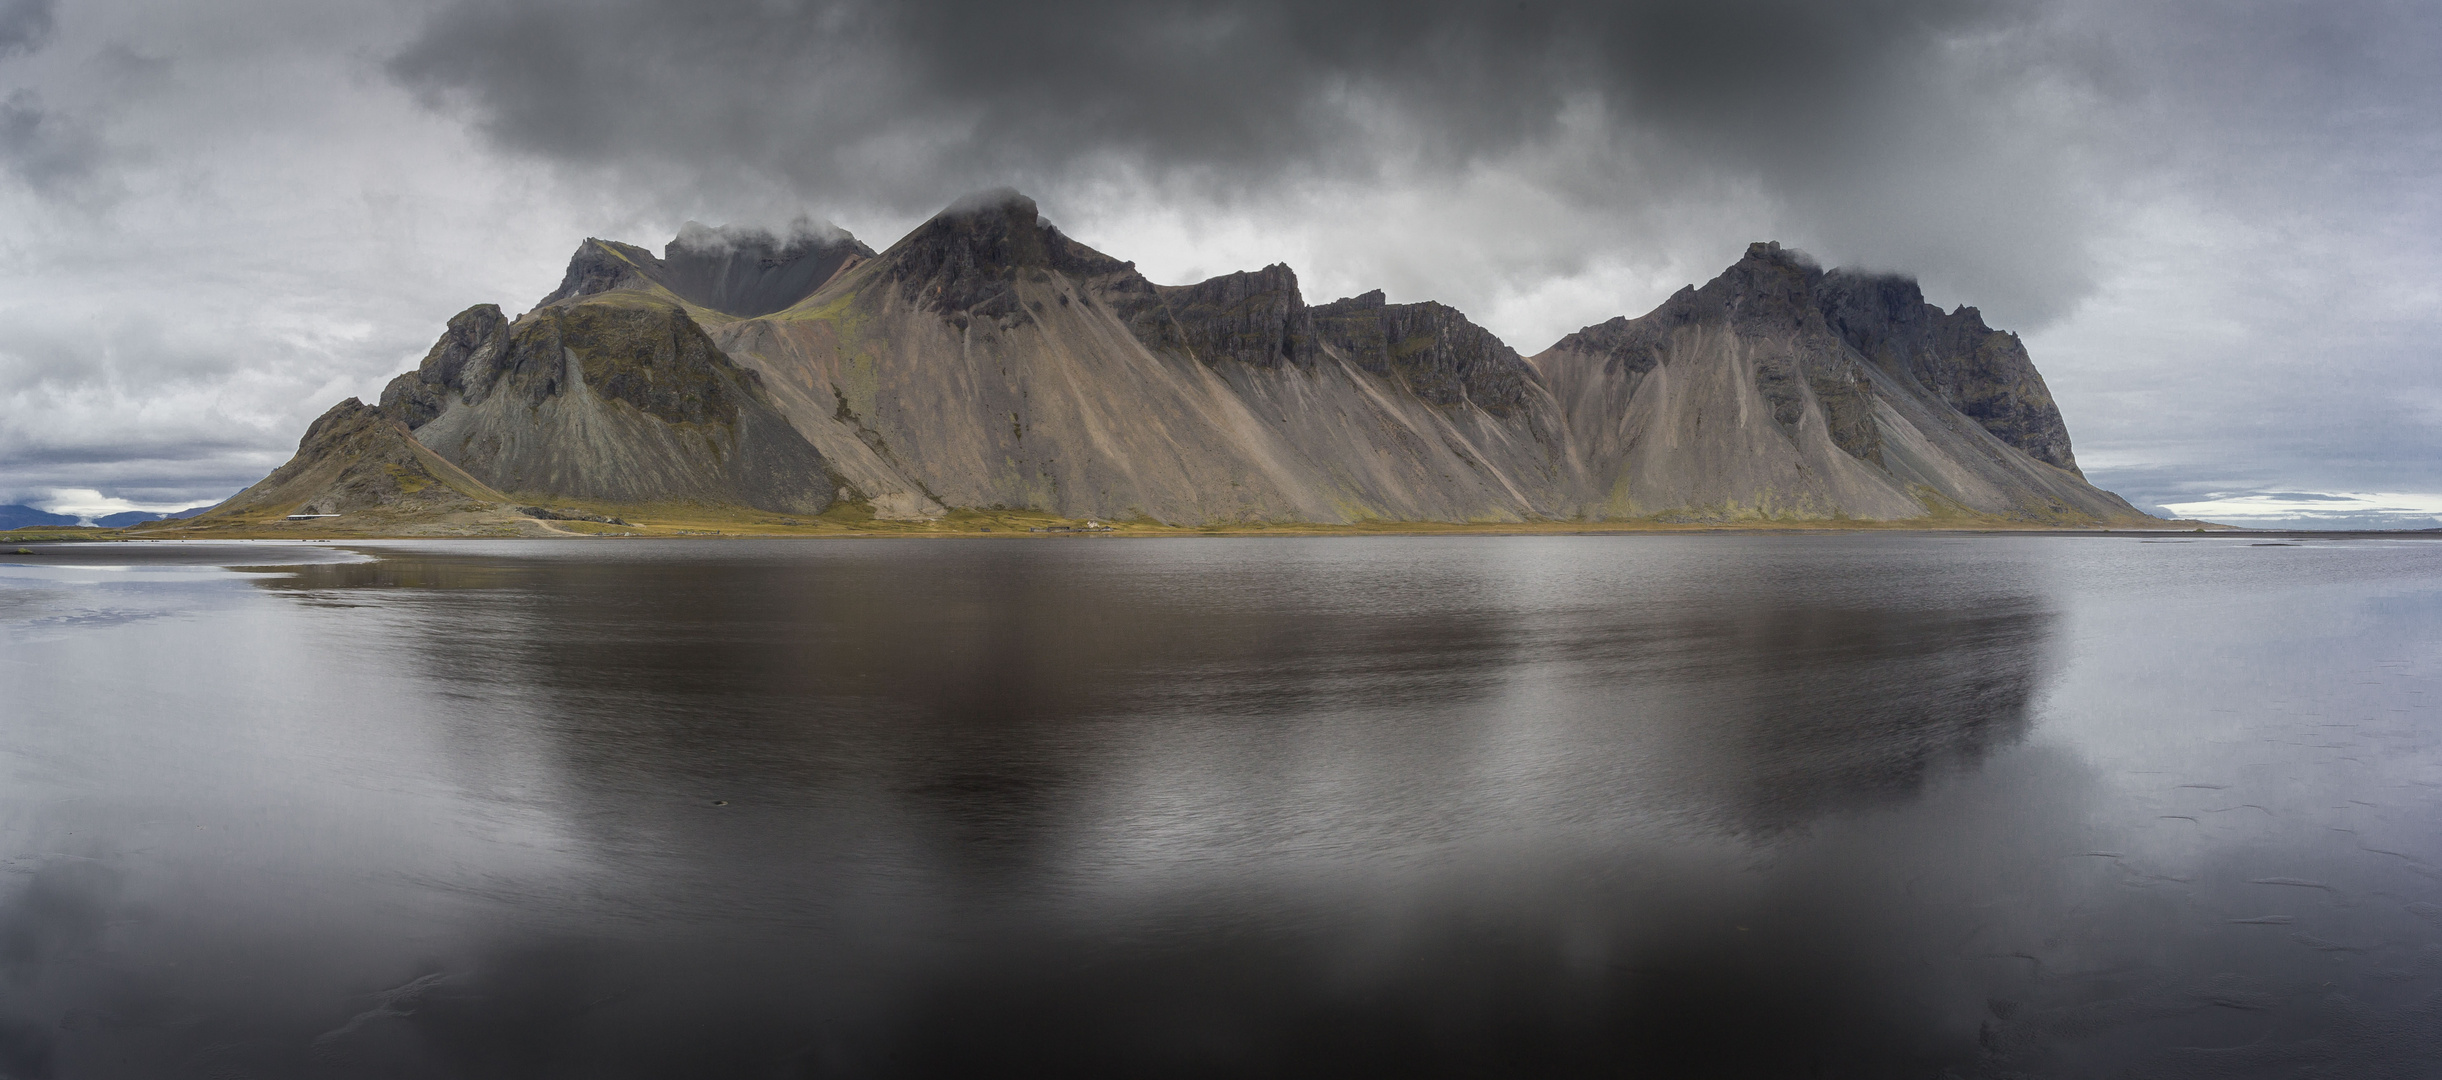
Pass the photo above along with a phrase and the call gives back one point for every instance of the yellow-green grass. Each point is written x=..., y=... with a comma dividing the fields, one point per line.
x=851, y=519
x=34, y=534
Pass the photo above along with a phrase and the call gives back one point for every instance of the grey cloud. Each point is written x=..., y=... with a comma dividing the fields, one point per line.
x=187, y=475
x=50, y=153
x=697, y=236
x=1885, y=123
x=1245, y=88
x=25, y=26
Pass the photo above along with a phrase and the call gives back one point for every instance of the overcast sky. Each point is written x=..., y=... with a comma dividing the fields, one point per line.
x=2214, y=222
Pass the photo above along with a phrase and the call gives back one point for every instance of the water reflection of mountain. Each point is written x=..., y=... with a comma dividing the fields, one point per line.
x=999, y=699
x=1285, y=802
x=1821, y=709
x=998, y=691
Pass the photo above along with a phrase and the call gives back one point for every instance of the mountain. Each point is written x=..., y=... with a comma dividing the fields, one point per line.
x=18, y=516
x=614, y=396
x=138, y=517
x=1779, y=389
x=364, y=466
x=736, y=271
x=987, y=360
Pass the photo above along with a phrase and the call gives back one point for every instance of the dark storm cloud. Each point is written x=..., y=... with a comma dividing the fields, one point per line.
x=1857, y=117
x=25, y=25
x=1242, y=89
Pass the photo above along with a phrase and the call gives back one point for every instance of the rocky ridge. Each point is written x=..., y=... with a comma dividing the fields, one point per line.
x=743, y=272
x=1859, y=435
x=614, y=396
x=987, y=360
x=357, y=461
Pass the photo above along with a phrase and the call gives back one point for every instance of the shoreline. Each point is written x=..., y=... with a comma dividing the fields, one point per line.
x=1031, y=527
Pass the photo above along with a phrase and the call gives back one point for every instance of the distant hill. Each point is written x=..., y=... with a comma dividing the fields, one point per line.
x=986, y=360
x=18, y=516
x=138, y=517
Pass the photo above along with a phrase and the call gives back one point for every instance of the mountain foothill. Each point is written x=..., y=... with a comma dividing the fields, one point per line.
x=989, y=362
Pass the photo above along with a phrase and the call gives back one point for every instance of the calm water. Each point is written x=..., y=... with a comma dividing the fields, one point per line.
x=1660, y=805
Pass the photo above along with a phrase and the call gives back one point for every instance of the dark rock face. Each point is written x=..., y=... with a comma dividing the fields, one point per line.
x=1982, y=372
x=651, y=356
x=1826, y=324
x=1769, y=296
x=1441, y=357
x=966, y=260
x=1633, y=346
x=477, y=336
x=1258, y=318
x=663, y=415
x=1816, y=329
x=1252, y=317
x=601, y=266
x=749, y=272
x=742, y=272
x=654, y=358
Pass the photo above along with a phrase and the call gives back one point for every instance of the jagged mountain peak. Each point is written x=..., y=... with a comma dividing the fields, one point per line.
x=601, y=266
x=987, y=359
x=967, y=257
x=1769, y=282
x=1982, y=372
x=1826, y=320
x=1771, y=252
x=619, y=397
x=1430, y=347
x=1004, y=202
x=1252, y=316
x=743, y=271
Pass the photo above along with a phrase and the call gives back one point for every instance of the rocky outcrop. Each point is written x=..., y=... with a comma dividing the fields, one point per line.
x=1663, y=409
x=477, y=337
x=601, y=266
x=1428, y=348
x=615, y=396
x=970, y=261
x=1251, y=317
x=1258, y=318
x=1983, y=373
x=357, y=460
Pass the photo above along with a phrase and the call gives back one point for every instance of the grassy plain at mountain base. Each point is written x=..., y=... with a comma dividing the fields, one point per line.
x=847, y=519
